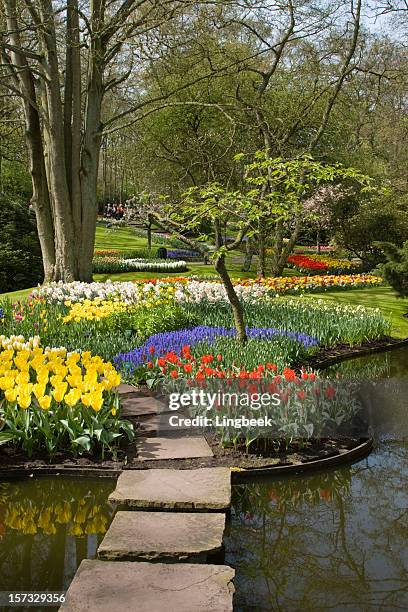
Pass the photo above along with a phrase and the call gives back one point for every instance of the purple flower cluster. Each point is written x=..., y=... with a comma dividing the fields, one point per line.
x=182, y=253
x=175, y=340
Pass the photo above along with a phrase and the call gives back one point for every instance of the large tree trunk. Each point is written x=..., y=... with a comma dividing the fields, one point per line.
x=236, y=306
x=40, y=200
x=91, y=150
x=63, y=223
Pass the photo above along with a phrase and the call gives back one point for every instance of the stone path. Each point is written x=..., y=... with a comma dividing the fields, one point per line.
x=107, y=586
x=200, y=489
x=171, y=515
x=163, y=536
x=160, y=441
x=139, y=405
x=154, y=449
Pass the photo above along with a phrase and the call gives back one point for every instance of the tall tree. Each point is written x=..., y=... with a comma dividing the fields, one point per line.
x=62, y=59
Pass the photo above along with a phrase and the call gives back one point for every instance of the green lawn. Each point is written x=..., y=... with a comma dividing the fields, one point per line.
x=125, y=239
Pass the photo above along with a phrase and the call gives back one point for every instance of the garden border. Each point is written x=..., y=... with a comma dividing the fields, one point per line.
x=237, y=474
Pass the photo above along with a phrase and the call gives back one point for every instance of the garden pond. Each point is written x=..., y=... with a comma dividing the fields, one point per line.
x=335, y=540
x=324, y=541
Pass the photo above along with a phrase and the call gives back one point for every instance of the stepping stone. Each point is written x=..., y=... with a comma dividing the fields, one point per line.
x=103, y=586
x=124, y=388
x=160, y=422
x=201, y=489
x=142, y=405
x=163, y=536
x=156, y=449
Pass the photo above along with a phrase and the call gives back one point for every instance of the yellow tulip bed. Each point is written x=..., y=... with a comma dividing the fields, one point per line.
x=54, y=400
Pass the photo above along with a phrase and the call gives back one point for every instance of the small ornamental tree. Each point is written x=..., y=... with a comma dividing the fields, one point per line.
x=319, y=209
x=230, y=215
x=212, y=215
x=285, y=189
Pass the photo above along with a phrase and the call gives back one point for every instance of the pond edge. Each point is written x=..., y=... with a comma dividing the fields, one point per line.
x=238, y=474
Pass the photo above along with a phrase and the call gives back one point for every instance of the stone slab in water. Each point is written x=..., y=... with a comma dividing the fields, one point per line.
x=155, y=449
x=201, y=489
x=125, y=586
x=163, y=536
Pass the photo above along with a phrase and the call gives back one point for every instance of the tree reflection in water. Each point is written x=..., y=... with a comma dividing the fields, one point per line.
x=47, y=526
x=333, y=541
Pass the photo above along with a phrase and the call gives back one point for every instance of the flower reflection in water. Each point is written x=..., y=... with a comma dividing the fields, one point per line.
x=47, y=526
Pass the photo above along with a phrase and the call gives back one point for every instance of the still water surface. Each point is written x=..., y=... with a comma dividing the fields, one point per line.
x=334, y=541
x=47, y=526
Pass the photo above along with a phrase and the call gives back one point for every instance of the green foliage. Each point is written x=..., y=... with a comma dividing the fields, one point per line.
x=395, y=269
x=279, y=350
x=20, y=254
x=144, y=322
x=329, y=322
x=360, y=226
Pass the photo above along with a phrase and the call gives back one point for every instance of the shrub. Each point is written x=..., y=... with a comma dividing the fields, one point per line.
x=161, y=253
x=395, y=269
x=20, y=254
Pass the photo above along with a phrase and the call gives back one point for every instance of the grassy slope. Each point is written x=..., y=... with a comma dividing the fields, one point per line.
x=125, y=239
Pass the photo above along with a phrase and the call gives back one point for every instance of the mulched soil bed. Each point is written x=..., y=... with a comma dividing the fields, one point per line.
x=329, y=356
x=226, y=457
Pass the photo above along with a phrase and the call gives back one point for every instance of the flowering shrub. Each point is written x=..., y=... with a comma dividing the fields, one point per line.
x=319, y=263
x=117, y=264
x=54, y=400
